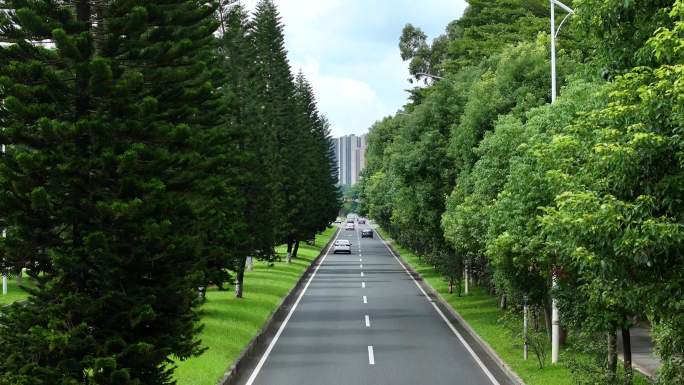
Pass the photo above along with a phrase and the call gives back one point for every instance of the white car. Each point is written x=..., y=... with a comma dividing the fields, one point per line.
x=349, y=226
x=342, y=246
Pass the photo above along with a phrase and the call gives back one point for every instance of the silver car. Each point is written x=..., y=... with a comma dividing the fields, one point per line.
x=342, y=246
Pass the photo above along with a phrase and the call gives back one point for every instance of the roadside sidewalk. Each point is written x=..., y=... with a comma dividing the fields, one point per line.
x=644, y=358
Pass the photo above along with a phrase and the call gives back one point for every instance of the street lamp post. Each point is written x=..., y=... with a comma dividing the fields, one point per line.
x=555, y=318
x=554, y=35
x=431, y=76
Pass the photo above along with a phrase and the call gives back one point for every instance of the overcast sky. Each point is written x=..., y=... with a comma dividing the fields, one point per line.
x=348, y=49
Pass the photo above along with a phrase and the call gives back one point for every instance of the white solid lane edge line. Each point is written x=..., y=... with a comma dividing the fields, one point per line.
x=264, y=357
x=365, y=299
x=446, y=320
x=367, y=321
x=371, y=356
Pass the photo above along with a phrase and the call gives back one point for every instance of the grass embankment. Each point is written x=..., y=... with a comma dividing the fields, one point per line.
x=482, y=313
x=230, y=323
x=14, y=292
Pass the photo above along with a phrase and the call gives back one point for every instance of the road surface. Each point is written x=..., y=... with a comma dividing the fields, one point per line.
x=362, y=319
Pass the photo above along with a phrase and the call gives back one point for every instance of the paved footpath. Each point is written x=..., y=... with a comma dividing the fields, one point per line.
x=362, y=319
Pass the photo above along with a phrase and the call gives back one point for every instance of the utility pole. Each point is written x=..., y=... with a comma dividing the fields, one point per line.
x=555, y=318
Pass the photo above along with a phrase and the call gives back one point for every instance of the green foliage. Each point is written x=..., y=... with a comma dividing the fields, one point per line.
x=512, y=87
x=587, y=362
x=146, y=157
x=279, y=118
x=514, y=242
x=620, y=224
x=321, y=198
x=488, y=26
x=305, y=196
x=617, y=30
x=98, y=187
x=587, y=190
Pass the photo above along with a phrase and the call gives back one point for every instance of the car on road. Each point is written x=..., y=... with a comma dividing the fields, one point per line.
x=366, y=233
x=342, y=246
x=337, y=222
x=362, y=221
x=349, y=226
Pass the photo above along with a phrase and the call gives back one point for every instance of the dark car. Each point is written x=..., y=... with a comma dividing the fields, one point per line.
x=366, y=233
x=362, y=221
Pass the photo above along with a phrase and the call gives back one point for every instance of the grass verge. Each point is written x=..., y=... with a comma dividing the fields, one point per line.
x=482, y=313
x=230, y=323
x=14, y=292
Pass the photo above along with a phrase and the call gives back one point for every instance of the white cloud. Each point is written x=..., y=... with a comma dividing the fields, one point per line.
x=350, y=104
x=348, y=49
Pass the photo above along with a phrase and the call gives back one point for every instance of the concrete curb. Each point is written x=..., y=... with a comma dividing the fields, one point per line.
x=511, y=376
x=269, y=327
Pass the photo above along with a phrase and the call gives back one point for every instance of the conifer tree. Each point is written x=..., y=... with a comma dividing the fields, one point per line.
x=98, y=185
x=257, y=181
x=322, y=197
x=279, y=114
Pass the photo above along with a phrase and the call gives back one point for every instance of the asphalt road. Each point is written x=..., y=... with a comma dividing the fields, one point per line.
x=362, y=319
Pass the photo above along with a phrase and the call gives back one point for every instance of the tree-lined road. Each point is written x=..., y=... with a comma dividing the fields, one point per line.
x=363, y=320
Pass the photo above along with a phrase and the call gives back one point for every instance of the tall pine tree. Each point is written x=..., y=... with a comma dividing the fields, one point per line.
x=98, y=186
x=279, y=113
x=257, y=182
x=322, y=198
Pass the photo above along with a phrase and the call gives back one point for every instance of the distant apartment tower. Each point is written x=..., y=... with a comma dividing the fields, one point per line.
x=350, y=152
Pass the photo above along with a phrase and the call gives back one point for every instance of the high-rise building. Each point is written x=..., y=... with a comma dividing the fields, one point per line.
x=350, y=152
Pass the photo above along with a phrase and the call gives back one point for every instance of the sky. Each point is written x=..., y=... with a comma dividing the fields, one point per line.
x=349, y=51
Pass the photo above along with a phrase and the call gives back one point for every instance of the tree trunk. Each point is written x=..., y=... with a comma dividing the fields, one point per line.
x=503, y=301
x=289, y=251
x=240, y=278
x=20, y=277
x=627, y=354
x=296, y=249
x=547, y=318
x=612, y=355
x=451, y=285
x=563, y=336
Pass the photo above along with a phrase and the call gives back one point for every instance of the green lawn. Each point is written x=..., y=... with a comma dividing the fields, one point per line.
x=230, y=323
x=14, y=292
x=482, y=313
